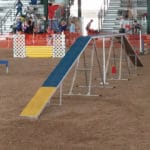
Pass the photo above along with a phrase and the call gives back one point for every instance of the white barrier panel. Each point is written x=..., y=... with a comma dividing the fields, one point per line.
x=59, y=45
x=19, y=45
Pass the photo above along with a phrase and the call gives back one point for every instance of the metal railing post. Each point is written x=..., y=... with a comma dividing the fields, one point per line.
x=1, y=27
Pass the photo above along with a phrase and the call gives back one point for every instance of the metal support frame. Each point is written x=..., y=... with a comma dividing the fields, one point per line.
x=129, y=62
x=74, y=77
x=121, y=56
x=88, y=83
x=60, y=98
x=120, y=62
x=104, y=83
x=135, y=66
x=105, y=66
x=109, y=53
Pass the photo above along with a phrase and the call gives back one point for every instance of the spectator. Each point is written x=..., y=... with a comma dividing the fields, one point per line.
x=63, y=26
x=88, y=27
x=29, y=26
x=33, y=2
x=72, y=27
x=89, y=30
x=136, y=27
x=122, y=25
x=19, y=25
x=122, y=21
x=19, y=6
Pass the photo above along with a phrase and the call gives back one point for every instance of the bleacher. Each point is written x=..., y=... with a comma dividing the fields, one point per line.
x=7, y=14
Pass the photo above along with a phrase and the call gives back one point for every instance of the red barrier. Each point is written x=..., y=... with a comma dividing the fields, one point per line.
x=6, y=42
x=70, y=37
x=46, y=38
x=36, y=39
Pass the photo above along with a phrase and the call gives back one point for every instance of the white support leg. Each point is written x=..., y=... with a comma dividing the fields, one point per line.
x=60, y=100
x=104, y=65
x=120, y=63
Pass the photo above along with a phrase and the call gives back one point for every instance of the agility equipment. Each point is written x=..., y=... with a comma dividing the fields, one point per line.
x=54, y=81
x=43, y=95
x=40, y=45
x=19, y=45
x=39, y=51
x=4, y=62
x=59, y=45
x=131, y=53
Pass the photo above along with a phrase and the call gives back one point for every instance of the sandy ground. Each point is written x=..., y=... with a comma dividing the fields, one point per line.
x=117, y=119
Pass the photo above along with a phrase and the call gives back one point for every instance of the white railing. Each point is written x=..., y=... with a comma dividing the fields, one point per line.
x=4, y=20
x=8, y=15
x=133, y=3
x=102, y=11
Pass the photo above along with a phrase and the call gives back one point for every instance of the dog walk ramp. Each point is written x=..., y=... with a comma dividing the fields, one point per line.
x=37, y=104
x=131, y=53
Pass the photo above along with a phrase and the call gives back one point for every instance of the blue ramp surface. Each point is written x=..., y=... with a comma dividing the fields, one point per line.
x=66, y=63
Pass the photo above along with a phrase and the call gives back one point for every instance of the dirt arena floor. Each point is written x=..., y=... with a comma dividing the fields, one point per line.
x=117, y=119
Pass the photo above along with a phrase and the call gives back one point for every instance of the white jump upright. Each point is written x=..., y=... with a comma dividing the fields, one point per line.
x=59, y=45
x=19, y=45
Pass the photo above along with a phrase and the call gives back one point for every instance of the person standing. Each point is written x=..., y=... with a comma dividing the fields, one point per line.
x=62, y=26
x=136, y=27
x=19, y=25
x=19, y=6
x=33, y=2
x=122, y=25
x=72, y=27
x=88, y=26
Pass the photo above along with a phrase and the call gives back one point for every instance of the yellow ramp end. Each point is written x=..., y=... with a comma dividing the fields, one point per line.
x=38, y=102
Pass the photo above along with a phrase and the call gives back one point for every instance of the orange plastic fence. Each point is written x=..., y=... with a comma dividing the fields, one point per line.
x=36, y=39
x=46, y=38
x=99, y=43
x=70, y=38
x=146, y=39
x=6, y=42
x=42, y=40
x=135, y=41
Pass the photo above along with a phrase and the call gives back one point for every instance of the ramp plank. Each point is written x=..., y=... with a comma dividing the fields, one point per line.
x=131, y=53
x=38, y=102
